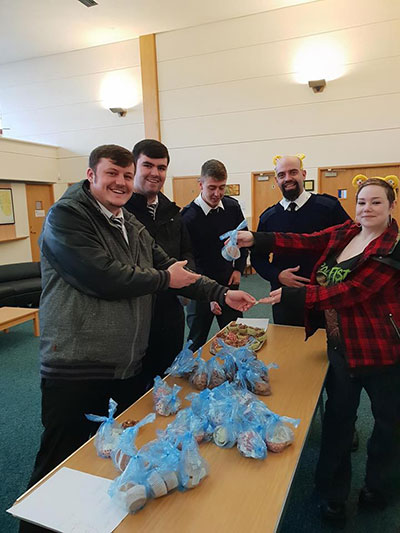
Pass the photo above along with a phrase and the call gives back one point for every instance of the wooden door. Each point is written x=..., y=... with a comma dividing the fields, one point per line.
x=39, y=199
x=265, y=192
x=337, y=182
x=185, y=189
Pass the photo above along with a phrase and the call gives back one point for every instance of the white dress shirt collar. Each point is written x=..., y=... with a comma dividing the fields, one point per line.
x=155, y=202
x=204, y=205
x=111, y=216
x=300, y=201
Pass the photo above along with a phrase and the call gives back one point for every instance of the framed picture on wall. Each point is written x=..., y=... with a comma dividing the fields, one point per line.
x=309, y=185
x=232, y=189
x=6, y=207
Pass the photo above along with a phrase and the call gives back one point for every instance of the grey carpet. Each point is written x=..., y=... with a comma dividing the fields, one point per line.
x=20, y=432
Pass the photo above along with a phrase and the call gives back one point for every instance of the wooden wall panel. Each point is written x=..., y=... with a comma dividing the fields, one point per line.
x=151, y=110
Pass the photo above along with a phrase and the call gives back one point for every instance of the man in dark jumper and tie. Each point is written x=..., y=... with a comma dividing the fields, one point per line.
x=297, y=212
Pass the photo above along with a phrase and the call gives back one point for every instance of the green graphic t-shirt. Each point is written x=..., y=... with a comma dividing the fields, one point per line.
x=332, y=273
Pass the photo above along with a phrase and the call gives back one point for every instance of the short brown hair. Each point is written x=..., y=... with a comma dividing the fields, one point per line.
x=119, y=156
x=150, y=148
x=390, y=193
x=213, y=169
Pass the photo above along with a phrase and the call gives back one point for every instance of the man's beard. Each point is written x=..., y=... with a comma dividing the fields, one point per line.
x=291, y=194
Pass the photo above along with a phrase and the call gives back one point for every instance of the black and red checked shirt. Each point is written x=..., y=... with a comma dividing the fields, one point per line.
x=367, y=301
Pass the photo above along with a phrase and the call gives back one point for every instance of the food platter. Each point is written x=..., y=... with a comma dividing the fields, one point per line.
x=239, y=335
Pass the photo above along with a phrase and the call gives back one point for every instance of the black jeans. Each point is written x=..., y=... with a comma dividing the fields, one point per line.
x=333, y=475
x=200, y=318
x=64, y=405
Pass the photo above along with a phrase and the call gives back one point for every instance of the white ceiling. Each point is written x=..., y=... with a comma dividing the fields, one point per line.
x=33, y=28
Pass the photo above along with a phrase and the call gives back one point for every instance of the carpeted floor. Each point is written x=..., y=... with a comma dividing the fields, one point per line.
x=20, y=432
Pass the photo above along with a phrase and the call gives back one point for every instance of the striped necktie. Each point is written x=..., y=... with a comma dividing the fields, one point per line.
x=151, y=208
x=118, y=223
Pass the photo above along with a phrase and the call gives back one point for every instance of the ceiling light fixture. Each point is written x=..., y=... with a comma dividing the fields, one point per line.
x=119, y=110
x=317, y=85
x=88, y=3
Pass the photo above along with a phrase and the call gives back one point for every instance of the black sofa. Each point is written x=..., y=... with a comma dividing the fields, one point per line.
x=20, y=285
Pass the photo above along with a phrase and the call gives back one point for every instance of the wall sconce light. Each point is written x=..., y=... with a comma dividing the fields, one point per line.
x=119, y=91
x=121, y=112
x=317, y=85
x=319, y=58
x=2, y=129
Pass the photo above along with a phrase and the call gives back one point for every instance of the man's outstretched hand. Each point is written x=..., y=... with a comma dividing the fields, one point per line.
x=245, y=239
x=179, y=277
x=239, y=300
x=289, y=278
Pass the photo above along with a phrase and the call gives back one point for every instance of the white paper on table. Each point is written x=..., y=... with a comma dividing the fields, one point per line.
x=254, y=322
x=71, y=501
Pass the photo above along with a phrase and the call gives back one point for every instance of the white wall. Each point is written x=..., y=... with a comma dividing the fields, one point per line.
x=22, y=162
x=56, y=100
x=227, y=90
x=26, y=161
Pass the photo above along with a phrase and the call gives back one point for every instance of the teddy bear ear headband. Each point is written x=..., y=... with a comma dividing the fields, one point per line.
x=299, y=156
x=391, y=180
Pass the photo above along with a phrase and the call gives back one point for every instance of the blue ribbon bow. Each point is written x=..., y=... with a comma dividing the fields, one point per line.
x=232, y=243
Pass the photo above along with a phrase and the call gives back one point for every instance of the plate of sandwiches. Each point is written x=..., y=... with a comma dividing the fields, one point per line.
x=238, y=335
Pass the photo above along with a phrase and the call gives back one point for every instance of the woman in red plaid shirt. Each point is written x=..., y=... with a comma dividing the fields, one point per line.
x=356, y=283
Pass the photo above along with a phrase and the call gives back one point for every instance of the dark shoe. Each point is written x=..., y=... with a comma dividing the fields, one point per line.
x=333, y=512
x=371, y=499
x=356, y=441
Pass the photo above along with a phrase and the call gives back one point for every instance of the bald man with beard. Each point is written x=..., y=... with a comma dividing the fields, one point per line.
x=298, y=212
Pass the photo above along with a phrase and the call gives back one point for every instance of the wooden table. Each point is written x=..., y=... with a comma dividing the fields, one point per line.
x=239, y=495
x=12, y=316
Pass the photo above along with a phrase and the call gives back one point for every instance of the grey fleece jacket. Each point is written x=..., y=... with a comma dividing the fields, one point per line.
x=96, y=303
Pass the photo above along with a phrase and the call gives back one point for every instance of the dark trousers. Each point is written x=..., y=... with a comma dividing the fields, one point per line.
x=166, y=336
x=333, y=475
x=64, y=405
x=200, y=317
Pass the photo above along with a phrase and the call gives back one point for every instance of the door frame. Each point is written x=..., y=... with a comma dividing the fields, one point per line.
x=254, y=176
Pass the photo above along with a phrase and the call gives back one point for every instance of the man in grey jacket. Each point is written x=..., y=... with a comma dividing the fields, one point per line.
x=100, y=270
